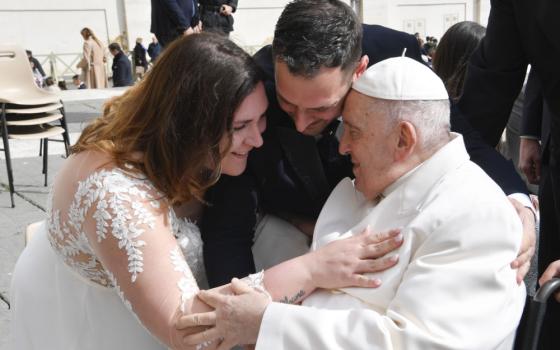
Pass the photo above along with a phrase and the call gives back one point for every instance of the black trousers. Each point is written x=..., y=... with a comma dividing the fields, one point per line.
x=549, y=248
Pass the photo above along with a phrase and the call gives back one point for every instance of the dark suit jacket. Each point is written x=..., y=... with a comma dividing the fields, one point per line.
x=290, y=173
x=519, y=32
x=170, y=18
x=122, y=70
x=211, y=17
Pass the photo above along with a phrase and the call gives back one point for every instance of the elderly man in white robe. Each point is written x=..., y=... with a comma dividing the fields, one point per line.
x=452, y=288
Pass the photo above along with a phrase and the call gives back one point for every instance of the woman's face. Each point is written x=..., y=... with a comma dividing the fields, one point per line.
x=248, y=124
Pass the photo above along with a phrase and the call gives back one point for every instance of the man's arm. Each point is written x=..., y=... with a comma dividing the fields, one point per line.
x=176, y=14
x=228, y=227
x=495, y=74
x=530, y=130
x=502, y=171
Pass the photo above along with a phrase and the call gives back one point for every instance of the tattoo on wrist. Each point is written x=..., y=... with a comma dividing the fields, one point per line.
x=293, y=299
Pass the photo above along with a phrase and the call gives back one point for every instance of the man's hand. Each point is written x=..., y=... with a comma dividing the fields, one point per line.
x=236, y=319
x=226, y=10
x=553, y=270
x=528, y=242
x=188, y=31
x=530, y=159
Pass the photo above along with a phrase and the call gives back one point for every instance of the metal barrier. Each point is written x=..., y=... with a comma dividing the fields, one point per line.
x=62, y=66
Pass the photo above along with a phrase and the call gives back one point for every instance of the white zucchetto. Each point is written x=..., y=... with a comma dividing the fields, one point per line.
x=401, y=78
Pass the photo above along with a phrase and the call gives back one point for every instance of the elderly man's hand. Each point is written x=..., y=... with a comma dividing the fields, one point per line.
x=552, y=271
x=236, y=319
x=528, y=242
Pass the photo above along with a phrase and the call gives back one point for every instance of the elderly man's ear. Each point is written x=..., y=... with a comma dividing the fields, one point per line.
x=407, y=140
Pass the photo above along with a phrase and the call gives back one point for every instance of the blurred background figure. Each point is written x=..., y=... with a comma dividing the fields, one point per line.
x=93, y=61
x=122, y=70
x=36, y=74
x=50, y=85
x=172, y=19
x=62, y=85
x=216, y=15
x=154, y=49
x=35, y=62
x=80, y=85
x=140, y=60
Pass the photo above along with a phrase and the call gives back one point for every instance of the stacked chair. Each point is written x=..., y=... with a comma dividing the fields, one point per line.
x=27, y=111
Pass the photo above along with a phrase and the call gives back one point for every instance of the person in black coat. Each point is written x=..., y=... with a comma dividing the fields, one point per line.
x=216, y=15
x=122, y=70
x=173, y=18
x=154, y=49
x=295, y=170
x=36, y=63
x=140, y=59
x=522, y=32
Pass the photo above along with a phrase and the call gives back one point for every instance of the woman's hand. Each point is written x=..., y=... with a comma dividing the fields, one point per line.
x=342, y=263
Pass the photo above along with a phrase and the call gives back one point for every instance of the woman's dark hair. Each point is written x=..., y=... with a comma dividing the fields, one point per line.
x=178, y=115
x=453, y=53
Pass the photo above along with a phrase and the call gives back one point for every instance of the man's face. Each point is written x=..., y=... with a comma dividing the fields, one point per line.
x=370, y=141
x=312, y=103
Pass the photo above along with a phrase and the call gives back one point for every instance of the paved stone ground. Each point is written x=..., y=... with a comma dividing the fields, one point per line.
x=31, y=195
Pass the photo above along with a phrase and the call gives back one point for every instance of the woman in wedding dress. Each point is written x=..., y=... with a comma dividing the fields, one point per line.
x=113, y=267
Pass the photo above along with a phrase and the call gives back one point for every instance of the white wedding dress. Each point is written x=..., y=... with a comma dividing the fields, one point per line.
x=110, y=238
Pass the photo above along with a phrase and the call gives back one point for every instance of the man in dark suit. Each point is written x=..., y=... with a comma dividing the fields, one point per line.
x=522, y=32
x=309, y=71
x=122, y=69
x=216, y=15
x=173, y=18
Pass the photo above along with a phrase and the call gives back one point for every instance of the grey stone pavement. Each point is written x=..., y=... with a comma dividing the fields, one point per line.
x=31, y=194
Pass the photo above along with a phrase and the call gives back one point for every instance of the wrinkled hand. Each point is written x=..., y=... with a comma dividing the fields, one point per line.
x=236, y=319
x=523, y=261
x=226, y=10
x=553, y=270
x=342, y=263
x=530, y=159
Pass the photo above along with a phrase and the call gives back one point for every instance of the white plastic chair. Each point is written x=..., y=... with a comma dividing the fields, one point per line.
x=27, y=111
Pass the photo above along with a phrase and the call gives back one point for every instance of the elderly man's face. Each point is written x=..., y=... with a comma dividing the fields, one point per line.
x=312, y=103
x=370, y=141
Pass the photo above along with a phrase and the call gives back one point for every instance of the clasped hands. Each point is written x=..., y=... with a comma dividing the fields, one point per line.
x=237, y=316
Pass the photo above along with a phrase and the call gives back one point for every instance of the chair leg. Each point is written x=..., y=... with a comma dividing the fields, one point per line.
x=7, y=154
x=45, y=158
x=40, y=148
x=65, y=135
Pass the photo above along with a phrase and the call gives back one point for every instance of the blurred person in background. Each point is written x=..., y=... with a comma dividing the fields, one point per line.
x=93, y=61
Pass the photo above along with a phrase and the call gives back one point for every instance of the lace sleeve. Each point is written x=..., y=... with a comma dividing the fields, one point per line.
x=130, y=230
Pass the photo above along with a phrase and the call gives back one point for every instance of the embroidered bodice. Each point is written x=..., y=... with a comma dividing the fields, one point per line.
x=115, y=215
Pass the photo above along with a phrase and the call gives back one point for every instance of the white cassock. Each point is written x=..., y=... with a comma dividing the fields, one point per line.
x=453, y=287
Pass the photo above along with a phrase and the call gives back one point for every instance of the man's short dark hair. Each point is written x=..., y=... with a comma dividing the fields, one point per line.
x=115, y=47
x=311, y=34
x=76, y=77
x=29, y=53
